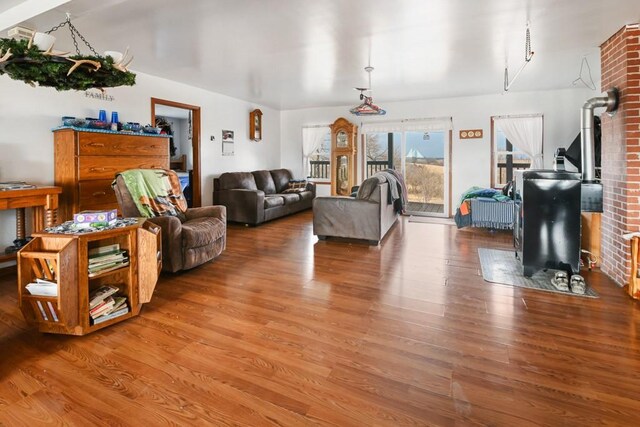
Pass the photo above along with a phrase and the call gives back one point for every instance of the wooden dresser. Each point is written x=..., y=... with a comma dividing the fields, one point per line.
x=87, y=162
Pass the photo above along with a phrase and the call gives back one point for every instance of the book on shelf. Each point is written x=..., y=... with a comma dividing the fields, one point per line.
x=107, y=268
x=102, y=307
x=100, y=294
x=109, y=306
x=42, y=312
x=52, y=311
x=108, y=259
x=103, y=250
x=124, y=310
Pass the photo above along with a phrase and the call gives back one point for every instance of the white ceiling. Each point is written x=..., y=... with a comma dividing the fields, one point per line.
x=309, y=53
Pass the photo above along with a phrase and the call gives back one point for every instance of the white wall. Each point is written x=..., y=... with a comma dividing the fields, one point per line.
x=28, y=114
x=470, y=158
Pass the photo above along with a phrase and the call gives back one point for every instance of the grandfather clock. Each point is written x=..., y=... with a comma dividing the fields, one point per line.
x=343, y=157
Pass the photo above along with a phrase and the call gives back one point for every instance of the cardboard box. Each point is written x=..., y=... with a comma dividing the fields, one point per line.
x=95, y=218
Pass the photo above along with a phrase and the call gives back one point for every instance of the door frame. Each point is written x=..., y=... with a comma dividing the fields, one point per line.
x=195, y=142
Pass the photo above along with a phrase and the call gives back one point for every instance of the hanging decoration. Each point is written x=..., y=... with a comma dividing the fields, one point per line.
x=581, y=79
x=35, y=62
x=367, y=108
x=528, y=54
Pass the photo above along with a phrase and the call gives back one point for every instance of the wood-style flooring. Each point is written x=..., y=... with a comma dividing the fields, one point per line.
x=285, y=330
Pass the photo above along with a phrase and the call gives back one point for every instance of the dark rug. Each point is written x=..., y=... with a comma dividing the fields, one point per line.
x=503, y=268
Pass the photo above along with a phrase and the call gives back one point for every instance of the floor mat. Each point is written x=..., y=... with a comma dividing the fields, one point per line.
x=431, y=220
x=503, y=268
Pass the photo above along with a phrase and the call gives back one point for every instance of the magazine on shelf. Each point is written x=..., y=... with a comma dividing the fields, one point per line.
x=102, y=308
x=124, y=310
x=100, y=294
x=108, y=259
x=15, y=185
x=42, y=288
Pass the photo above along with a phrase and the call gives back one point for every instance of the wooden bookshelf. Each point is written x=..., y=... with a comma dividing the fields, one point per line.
x=63, y=258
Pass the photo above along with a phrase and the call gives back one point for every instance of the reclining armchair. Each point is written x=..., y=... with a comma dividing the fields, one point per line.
x=189, y=238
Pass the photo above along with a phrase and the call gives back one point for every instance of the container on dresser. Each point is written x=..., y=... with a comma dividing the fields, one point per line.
x=86, y=162
x=63, y=260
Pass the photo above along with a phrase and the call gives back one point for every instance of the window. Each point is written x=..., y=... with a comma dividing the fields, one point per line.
x=516, y=143
x=319, y=160
x=382, y=151
x=506, y=160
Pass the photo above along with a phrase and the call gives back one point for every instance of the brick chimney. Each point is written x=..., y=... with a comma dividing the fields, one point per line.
x=620, y=57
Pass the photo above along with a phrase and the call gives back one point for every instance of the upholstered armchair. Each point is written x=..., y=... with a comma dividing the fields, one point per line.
x=188, y=240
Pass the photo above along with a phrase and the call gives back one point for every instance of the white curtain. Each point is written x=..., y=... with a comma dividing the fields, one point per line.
x=312, y=138
x=525, y=133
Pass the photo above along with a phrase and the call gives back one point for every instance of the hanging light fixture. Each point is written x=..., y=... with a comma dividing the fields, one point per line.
x=367, y=108
x=528, y=54
x=33, y=60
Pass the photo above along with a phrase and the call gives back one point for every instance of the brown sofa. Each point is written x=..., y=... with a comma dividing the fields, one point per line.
x=258, y=196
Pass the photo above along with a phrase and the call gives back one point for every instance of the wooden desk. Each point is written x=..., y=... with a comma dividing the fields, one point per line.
x=43, y=200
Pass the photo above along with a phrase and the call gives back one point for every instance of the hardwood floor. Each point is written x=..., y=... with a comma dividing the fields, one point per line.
x=285, y=330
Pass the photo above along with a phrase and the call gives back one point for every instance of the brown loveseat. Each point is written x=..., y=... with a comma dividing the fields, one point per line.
x=368, y=216
x=259, y=196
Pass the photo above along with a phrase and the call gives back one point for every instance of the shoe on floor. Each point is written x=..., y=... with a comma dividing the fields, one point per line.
x=560, y=281
x=578, y=286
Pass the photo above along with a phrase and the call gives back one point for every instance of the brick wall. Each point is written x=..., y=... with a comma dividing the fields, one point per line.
x=620, y=56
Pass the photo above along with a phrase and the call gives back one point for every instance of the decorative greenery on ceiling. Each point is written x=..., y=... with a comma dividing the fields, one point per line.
x=22, y=61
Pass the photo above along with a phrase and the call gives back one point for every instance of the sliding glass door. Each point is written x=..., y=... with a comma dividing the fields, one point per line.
x=423, y=159
x=426, y=172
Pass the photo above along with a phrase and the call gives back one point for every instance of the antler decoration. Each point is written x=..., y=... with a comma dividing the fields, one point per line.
x=79, y=62
x=6, y=56
x=123, y=63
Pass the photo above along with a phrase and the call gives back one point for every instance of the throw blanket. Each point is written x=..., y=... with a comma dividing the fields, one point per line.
x=475, y=192
x=397, y=188
x=155, y=192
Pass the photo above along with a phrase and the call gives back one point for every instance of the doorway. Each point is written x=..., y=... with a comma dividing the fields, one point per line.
x=183, y=122
x=423, y=158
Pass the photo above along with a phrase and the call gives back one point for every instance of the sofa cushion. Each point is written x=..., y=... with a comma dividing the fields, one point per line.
x=290, y=198
x=264, y=181
x=273, y=201
x=233, y=180
x=201, y=232
x=281, y=178
x=306, y=195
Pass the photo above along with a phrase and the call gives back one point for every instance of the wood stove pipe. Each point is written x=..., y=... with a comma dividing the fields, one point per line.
x=587, y=138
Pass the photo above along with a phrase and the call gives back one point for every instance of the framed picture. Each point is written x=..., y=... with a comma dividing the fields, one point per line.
x=227, y=135
x=227, y=143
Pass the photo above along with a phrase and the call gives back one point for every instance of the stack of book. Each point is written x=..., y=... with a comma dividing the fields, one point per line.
x=107, y=258
x=105, y=304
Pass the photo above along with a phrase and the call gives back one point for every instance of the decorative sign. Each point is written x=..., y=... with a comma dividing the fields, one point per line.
x=98, y=94
x=471, y=133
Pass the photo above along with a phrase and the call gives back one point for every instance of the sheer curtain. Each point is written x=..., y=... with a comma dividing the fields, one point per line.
x=312, y=138
x=526, y=134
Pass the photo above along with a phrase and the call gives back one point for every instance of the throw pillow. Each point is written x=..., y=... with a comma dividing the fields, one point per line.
x=296, y=186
